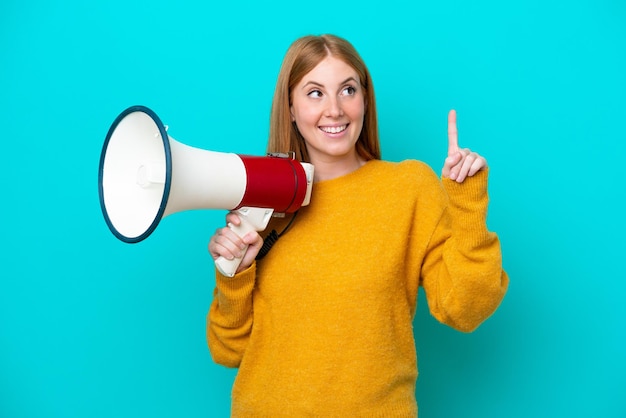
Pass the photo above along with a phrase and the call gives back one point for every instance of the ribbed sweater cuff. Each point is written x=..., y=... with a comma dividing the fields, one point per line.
x=473, y=189
x=468, y=202
x=234, y=292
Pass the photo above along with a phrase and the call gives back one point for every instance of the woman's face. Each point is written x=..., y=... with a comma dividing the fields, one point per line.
x=328, y=107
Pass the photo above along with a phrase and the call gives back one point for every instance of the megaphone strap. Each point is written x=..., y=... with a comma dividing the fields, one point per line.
x=272, y=237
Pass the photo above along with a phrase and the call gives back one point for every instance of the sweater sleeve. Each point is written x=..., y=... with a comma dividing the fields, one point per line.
x=229, y=321
x=462, y=272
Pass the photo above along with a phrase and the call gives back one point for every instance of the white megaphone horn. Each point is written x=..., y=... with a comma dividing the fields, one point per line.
x=145, y=175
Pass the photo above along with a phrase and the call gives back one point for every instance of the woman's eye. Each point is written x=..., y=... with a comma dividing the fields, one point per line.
x=349, y=91
x=315, y=94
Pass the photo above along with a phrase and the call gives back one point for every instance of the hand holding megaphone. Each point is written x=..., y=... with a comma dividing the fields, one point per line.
x=234, y=245
x=145, y=175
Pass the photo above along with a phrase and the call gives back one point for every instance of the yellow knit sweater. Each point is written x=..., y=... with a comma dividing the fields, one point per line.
x=322, y=326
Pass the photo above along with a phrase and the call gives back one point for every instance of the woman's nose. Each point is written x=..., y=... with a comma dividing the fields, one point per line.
x=334, y=109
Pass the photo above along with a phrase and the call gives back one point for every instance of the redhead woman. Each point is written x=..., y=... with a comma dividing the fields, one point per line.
x=322, y=324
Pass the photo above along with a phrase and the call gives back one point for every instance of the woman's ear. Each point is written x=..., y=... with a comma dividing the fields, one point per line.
x=293, y=118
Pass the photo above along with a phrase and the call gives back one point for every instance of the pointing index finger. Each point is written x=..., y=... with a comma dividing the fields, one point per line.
x=453, y=135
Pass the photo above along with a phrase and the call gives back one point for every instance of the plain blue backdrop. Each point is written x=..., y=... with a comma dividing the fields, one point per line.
x=93, y=327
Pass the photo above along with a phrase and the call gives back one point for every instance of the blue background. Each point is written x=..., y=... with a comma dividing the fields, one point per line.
x=93, y=327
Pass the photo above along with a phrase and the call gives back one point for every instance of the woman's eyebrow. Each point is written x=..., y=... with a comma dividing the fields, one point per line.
x=315, y=83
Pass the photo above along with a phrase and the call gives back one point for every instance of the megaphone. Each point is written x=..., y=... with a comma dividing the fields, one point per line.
x=145, y=175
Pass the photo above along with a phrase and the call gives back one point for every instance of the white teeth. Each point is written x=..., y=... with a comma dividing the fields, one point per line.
x=333, y=129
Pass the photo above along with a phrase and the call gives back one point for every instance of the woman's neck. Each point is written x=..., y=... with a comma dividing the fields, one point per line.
x=331, y=169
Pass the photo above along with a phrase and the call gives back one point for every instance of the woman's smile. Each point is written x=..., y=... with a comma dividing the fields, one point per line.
x=334, y=130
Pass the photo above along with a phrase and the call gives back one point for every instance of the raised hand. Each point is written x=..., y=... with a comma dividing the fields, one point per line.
x=461, y=163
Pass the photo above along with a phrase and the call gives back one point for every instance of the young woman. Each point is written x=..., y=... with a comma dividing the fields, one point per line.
x=322, y=325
